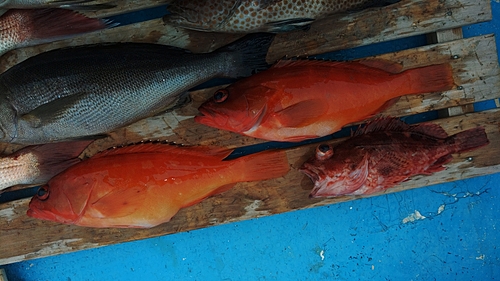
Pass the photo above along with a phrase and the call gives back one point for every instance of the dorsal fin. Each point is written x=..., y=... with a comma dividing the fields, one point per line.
x=164, y=147
x=389, y=66
x=304, y=62
x=392, y=124
x=360, y=65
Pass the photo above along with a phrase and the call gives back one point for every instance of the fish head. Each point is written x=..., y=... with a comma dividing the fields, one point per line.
x=199, y=14
x=60, y=201
x=334, y=176
x=235, y=108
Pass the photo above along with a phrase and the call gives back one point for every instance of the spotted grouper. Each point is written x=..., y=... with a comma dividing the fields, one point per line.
x=245, y=16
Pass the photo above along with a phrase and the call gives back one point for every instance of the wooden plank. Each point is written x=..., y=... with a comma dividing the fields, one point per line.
x=25, y=238
x=124, y=6
x=407, y=18
x=476, y=71
x=446, y=36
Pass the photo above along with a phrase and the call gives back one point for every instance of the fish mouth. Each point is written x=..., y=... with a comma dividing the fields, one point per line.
x=211, y=118
x=309, y=173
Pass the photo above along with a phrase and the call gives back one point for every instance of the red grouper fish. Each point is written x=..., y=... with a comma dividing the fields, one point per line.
x=299, y=100
x=22, y=28
x=384, y=153
x=145, y=185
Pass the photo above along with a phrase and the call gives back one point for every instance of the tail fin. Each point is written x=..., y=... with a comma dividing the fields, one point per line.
x=264, y=165
x=249, y=54
x=469, y=140
x=36, y=26
x=54, y=158
x=433, y=78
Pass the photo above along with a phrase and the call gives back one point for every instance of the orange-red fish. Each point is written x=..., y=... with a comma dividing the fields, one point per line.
x=37, y=164
x=21, y=28
x=146, y=184
x=383, y=154
x=298, y=100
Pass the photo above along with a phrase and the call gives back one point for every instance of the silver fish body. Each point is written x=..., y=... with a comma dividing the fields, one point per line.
x=90, y=90
x=236, y=16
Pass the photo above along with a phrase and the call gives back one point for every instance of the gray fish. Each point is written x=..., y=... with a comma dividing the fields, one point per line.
x=258, y=15
x=67, y=4
x=90, y=90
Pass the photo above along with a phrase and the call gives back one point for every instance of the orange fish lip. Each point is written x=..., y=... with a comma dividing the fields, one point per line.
x=211, y=118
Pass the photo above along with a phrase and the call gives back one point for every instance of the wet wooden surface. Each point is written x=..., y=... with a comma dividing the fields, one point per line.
x=475, y=67
x=26, y=238
x=406, y=18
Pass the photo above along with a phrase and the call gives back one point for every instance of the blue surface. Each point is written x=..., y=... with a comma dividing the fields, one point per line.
x=359, y=240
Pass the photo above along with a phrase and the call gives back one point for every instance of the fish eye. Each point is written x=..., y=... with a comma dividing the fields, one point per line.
x=42, y=193
x=221, y=95
x=324, y=151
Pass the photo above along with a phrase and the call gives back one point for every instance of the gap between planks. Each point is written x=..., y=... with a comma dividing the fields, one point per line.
x=25, y=238
x=403, y=19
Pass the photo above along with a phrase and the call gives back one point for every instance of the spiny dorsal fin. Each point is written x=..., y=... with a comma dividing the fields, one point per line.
x=360, y=65
x=166, y=147
x=392, y=124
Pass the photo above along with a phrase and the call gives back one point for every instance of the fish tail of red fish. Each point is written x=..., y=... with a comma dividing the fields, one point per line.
x=264, y=165
x=469, y=140
x=54, y=158
x=43, y=25
x=433, y=78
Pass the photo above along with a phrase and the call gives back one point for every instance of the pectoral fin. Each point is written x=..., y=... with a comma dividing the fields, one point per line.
x=302, y=114
x=290, y=25
x=51, y=111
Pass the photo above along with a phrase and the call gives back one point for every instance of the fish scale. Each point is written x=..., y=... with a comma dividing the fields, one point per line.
x=384, y=153
x=254, y=15
x=90, y=90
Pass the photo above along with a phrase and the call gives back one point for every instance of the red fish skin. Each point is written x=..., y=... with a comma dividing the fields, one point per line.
x=146, y=185
x=298, y=100
x=27, y=27
x=374, y=161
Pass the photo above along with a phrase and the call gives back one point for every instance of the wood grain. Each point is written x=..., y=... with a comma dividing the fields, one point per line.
x=475, y=67
x=26, y=238
x=406, y=18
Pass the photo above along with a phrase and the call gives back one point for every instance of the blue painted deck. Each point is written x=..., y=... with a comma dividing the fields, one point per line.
x=441, y=232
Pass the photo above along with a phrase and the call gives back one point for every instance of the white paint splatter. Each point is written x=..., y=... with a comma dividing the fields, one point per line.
x=251, y=212
x=441, y=209
x=322, y=254
x=413, y=217
x=481, y=257
x=7, y=214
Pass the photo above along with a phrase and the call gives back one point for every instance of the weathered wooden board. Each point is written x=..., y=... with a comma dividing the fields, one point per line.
x=475, y=69
x=124, y=6
x=26, y=238
x=406, y=18
x=474, y=62
x=475, y=66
